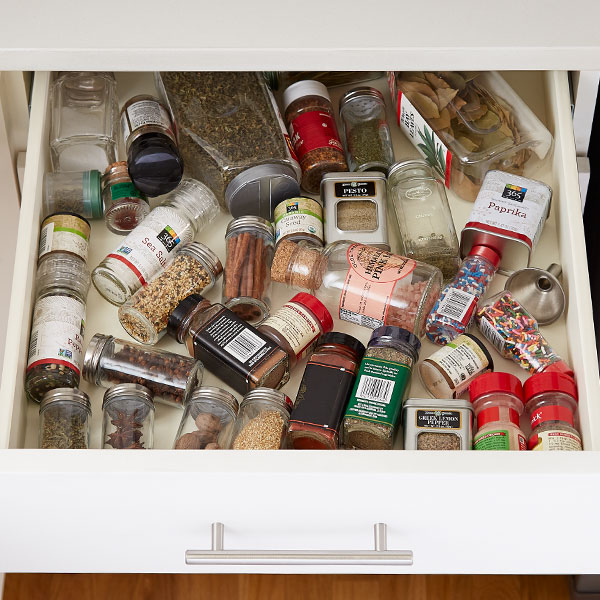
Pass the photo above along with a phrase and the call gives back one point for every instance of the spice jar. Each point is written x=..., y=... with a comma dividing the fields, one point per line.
x=64, y=232
x=456, y=307
x=281, y=79
x=423, y=215
x=262, y=421
x=64, y=419
x=365, y=131
x=551, y=401
x=299, y=219
x=150, y=140
x=324, y=392
x=362, y=284
x=207, y=420
x=128, y=417
x=194, y=269
x=77, y=192
x=373, y=414
x=497, y=399
x=146, y=250
x=247, y=286
x=170, y=377
x=56, y=340
x=125, y=207
x=297, y=325
x=233, y=350
x=311, y=123
x=449, y=371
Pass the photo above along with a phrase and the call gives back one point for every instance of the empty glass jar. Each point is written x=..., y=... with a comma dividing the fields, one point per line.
x=65, y=419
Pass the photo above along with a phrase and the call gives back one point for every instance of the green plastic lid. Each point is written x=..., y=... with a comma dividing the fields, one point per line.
x=92, y=196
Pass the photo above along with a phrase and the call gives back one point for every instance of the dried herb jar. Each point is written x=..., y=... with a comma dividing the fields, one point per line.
x=75, y=192
x=64, y=232
x=373, y=414
x=128, y=417
x=207, y=420
x=65, y=419
x=262, y=421
x=194, y=269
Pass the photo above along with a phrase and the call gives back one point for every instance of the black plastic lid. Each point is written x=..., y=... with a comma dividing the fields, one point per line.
x=482, y=347
x=336, y=337
x=396, y=333
x=181, y=311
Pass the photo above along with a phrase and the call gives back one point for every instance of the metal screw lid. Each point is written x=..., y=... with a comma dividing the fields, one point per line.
x=214, y=393
x=250, y=222
x=128, y=391
x=66, y=394
x=360, y=92
x=205, y=255
x=270, y=395
x=92, y=357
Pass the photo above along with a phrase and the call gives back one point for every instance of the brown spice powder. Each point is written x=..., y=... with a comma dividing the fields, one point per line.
x=438, y=441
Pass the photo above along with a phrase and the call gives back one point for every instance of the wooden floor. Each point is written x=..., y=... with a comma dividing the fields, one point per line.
x=284, y=587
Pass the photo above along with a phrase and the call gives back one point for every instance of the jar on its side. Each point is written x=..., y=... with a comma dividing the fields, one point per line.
x=64, y=419
x=299, y=219
x=64, y=232
x=74, y=192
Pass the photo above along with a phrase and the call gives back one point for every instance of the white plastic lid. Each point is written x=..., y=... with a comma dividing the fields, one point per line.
x=308, y=87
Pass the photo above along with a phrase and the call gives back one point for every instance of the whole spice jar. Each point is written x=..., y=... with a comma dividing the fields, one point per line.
x=449, y=371
x=64, y=419
x=497, y=399
x=324, y=392
x=311, y=123
x=299, y=219
x=262, y=421
x=551, y=401
x=373, y=414
x=207, y=420
x=125, y=207
x=281, y=79
x=194, y=269
x=56, y=340
x=362, y=284
x=247, y=285
x=146, y=250
x=64, y=232
x=128, y=417
x=366, y=132
x=73, y=192
x=150, y=140
x=233, y=350
x=170, y=377
x=297, y=325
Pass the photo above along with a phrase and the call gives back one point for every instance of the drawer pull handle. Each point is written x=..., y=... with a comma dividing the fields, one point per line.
x=219, y=556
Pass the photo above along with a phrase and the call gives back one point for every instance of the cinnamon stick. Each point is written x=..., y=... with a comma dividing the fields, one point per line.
x=258, y=268
x=231, y=252
x=248, y=274
x=242, y=250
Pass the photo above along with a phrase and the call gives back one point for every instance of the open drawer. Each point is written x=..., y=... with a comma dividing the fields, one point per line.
x=458, y=512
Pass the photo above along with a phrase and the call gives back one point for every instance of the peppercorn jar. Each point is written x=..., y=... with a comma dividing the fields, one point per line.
x=299, y=219
x=311, y=123
x=497, y=400
x=372, y=418
x=262, y=421
x=56, y=340
x=551, y=401
x=75, y=192
x=366, y=132
x=170, y=377
x=247, y=286
x=324, y=392
x=64, y=232
x=65, y=419
x=194, y=269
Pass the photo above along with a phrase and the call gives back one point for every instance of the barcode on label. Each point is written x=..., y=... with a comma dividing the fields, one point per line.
x=362, y=320
x=490, y=334
x=32, y=345
x=373, y=388
x=457, y=305
x=46, y=239
x=244, y=345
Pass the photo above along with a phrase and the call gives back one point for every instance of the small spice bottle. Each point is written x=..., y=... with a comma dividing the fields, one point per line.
x=373, y=414
x=299, y=219
x=247, y=286
x=551, y=401
x=324, y=392
x=74, y=192
x=128, y=417
x=456, y=307
x=170, y=377
x=64, y=419
x=449, y=371
x=125, y=207
x=262, y=421
x=207, y=420
x=56, y=340
x=194, y=269
x=233, y=350
x=311, y=123
x=146, y=250
x=64, y=232
x=297, y=325
x=366, y=131
x=497, y=399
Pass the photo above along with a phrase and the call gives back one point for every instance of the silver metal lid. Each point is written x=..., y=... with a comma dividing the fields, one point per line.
x=409, y=162
x=360, y=92
x=249, y=222
x=271, y=396
x=128, y=391
x=93, y=354
x=436, y=403
x=214, y=393
x=205, y=255
x=66, y=394
x=353, y=176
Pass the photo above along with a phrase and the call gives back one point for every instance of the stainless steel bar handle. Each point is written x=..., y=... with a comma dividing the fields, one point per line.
x=219, y=556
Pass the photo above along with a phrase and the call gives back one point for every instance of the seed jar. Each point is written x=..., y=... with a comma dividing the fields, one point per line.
x=64, y=232
x=299, y=219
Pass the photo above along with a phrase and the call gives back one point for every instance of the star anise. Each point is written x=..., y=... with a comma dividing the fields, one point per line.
x=127, y=433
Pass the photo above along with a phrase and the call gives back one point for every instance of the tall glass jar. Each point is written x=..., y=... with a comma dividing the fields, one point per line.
x=147, y=249
x=65, y=419
x=56, y=341
x=77, y=192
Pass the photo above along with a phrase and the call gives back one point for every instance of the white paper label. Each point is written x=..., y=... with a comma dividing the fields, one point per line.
x=55, y=238
x=460, y=361
x=457, y=305
x=557, y=440
x=298, y=215
x=144, y=112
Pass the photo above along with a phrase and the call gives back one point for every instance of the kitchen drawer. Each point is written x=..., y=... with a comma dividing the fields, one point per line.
x=464, y=512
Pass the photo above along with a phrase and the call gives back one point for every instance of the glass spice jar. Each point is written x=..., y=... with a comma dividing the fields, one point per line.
x=56, y=340
x=311, y=123
x=128, y=417
x=324, y=392
x=373, y=414
x=207, y=420
x=74, y=192
x=64, y=232
x=262, y=421
x=299, y=219
x=194, y=269
x=281, y=79
x=170, y=377
x=65, y=419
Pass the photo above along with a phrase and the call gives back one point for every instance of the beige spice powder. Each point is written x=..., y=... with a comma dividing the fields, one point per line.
x=263, y=432
x=356, y=215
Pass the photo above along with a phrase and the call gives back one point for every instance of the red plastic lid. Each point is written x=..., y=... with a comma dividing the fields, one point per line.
x=489, y=383
x=551, y=413
x=560, y=366
x=486, y=252
x=489, y=415
x=549, y=382
x=317, y=308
